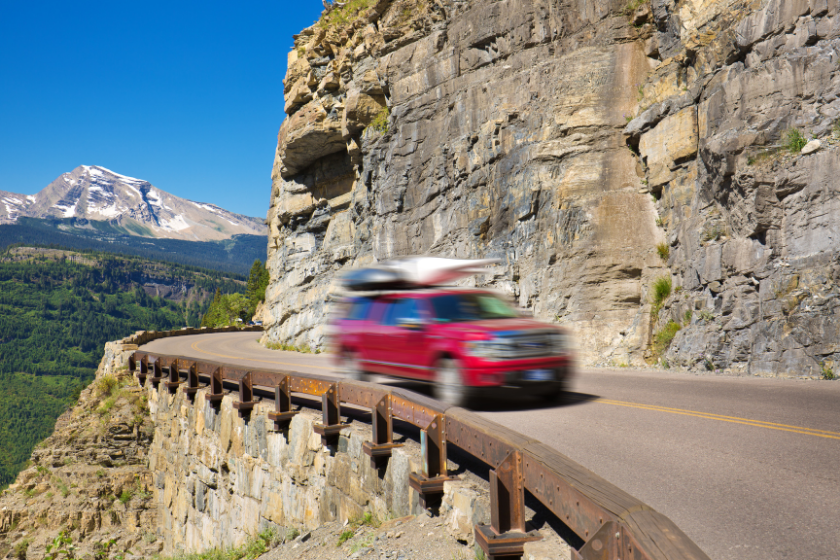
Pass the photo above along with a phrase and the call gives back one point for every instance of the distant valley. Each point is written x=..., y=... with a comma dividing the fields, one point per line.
x=57, y=310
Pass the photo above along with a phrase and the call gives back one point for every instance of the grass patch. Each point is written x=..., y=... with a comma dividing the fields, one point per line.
x=662, y=339
x=793, y=140
x=106, y=385
x=706, y=315
x=827, y=372
x=661, y=290
x=664, y=251
x=61, y=486
x=632, y=6
x=342, y=15
x=364, y=543
x=380, y=121
x=19, y=551
x=254, y=548
x=345, y=536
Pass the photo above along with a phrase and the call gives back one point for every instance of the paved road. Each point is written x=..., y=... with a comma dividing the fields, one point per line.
x=748, y=468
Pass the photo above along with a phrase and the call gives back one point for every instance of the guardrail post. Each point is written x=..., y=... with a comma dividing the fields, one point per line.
x=505, y=537
x=283, y=412
x=217, y=392
x=192, y=382
x=157, y=376
x=246, y=396
x=174, y=377
x=429, y=483
x=143, y=371
x=379, y=450
x=606, y=543
x=330, y=425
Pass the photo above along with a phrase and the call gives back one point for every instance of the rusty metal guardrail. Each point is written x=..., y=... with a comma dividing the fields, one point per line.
x=612, y=524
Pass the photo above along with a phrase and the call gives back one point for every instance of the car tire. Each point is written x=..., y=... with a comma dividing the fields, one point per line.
x=556, y=393
x=449, y=386
x=352, y=369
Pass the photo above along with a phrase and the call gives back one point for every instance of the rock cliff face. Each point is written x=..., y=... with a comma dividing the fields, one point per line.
x=90, y=477
x=570, y=139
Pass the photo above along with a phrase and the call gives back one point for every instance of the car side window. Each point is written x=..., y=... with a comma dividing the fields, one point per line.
x=400, y=311
x=360, y=309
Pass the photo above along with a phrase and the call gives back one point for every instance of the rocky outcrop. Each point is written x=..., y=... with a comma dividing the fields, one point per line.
x=570, y=139
x=89, y=479
x=752, y=218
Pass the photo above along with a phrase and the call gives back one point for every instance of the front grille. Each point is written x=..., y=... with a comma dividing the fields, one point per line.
x=520, y=345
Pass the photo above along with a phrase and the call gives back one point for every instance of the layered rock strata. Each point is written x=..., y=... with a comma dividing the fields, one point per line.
x=502, y=139
x=752, y=219
x=570, y=139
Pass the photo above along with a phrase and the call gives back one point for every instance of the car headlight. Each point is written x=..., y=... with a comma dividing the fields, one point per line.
x=487, y=349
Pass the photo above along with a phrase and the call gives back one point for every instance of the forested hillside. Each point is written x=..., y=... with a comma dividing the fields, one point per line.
x=57, y=310
x=234, y=254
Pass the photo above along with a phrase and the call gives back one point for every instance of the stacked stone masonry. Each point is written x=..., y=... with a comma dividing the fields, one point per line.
x=569, y=139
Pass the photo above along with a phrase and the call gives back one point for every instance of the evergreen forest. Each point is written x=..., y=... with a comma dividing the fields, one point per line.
x=57, y=310
x=235, y=254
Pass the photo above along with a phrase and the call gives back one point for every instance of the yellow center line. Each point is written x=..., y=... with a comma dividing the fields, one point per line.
x=195, y=347
x=732, y=419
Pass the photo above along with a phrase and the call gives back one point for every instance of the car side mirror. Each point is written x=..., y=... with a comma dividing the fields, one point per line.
x=412, y=323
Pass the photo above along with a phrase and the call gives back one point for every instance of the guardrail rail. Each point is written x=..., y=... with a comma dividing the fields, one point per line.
x=612, y=524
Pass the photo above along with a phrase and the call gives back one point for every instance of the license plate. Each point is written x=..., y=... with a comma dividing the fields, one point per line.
x=538, y=375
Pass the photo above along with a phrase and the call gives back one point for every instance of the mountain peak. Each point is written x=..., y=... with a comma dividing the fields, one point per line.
x=95, y=193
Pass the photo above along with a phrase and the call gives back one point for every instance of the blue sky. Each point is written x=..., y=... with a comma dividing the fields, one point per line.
x=186, y=95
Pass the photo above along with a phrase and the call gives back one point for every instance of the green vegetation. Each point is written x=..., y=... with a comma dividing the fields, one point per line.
x=688, y=316
x=345, y=13
x=232, y=255
x=713, y=233
x=304, y=349
x=706, y=315
x=55, y=317
x=345, y=536
x=632, y=6
x=380, y=121
x=19, y=551
x=226, y=309
x=255, y=547
x=364, y=543
x=835, y=130
x=662, y=339
x=664, y=251
x=661, y=290
x=793, y=140
x=827, y=372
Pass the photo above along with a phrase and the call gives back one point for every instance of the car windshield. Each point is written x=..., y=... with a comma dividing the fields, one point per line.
x=458, y=308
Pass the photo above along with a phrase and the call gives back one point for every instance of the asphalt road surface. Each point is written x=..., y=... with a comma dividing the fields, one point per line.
x=749, y=468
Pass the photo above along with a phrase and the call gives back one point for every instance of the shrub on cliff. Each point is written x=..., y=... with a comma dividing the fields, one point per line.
x=341, y=14
x=662, y=339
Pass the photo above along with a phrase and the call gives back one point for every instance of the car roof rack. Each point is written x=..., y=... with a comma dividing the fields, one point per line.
x=412, y=273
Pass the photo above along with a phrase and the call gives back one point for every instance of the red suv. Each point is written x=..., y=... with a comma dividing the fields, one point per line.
x=461, y=340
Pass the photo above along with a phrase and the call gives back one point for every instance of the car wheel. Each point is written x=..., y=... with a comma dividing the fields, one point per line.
x=352, y=369
x=449, y=386
x=555, y=393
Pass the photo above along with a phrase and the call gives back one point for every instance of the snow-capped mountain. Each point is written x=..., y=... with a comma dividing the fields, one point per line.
x=94, y=193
